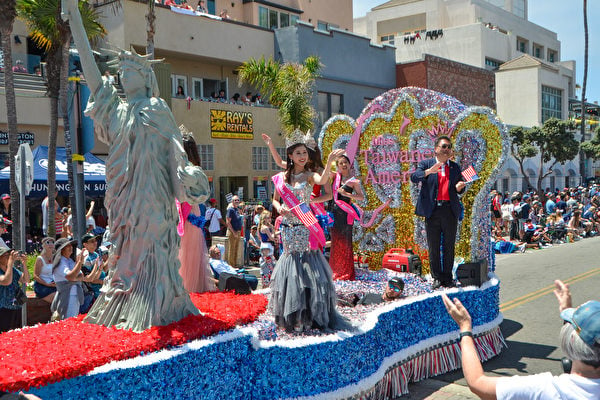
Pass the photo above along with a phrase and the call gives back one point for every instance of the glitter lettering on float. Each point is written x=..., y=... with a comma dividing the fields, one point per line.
x=383, y=157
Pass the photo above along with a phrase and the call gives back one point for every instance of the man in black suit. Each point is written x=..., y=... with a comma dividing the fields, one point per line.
x=441, y=182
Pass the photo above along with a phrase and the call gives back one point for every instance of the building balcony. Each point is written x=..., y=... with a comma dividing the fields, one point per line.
x=178, y=34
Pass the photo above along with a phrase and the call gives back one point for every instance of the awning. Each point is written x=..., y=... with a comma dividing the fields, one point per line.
x=93, y=174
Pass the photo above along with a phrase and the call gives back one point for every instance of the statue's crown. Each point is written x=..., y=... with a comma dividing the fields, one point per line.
x=132, y=58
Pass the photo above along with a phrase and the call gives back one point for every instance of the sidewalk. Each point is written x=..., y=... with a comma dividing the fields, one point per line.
x=433, y=389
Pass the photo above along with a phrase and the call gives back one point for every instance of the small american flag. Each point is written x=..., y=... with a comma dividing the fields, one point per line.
x=470, y=174
x=302, y=211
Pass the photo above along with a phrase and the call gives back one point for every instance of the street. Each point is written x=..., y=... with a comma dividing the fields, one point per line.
x=531, y=320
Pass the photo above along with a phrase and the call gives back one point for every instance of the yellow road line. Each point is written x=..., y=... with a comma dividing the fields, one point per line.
x=544, y=291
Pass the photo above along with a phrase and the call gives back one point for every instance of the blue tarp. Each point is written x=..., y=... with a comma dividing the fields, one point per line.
x=93, y=174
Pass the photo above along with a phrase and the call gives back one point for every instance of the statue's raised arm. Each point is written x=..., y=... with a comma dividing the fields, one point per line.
x=70, y=12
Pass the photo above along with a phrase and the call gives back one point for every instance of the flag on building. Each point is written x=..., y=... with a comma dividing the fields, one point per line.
x=470, y=174
x=303, y=212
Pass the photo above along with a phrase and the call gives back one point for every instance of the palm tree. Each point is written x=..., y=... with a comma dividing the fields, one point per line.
x=150, y=29
x=583, y=88
x=289, y=86
x=51, y=33
x=8, y=13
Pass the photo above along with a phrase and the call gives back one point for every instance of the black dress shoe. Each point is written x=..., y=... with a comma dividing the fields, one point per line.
x=436, y=284
x=449, y=284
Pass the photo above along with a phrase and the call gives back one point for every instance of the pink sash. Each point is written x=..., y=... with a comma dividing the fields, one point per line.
x=183, y=209
x=353, y=214
x=306, y=217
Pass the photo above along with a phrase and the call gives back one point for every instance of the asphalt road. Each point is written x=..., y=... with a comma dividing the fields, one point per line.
x=531, y=319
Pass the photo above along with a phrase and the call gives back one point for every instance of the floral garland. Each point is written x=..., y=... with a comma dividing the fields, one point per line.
x=196, y=220
x=340, y=365
x=70, y=348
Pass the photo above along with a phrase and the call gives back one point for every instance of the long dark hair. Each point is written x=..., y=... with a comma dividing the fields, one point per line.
x=289, y=164
x=191, y=149
x=315, y=163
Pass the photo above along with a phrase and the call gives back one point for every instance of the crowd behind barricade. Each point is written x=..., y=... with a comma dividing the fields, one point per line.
x=529, y=220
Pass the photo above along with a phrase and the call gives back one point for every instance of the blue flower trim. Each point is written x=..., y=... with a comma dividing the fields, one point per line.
x=237, y=365
x=196, y=220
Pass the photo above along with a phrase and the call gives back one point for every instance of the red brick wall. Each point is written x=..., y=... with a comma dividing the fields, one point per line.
x=411, y=74
x=470, y=85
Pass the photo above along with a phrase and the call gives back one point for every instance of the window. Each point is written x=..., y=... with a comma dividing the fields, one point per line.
x=273, y=24
x=260, y=158
x=281, y=152
x=263, y=17
x=197, y=88
x=552, y=55
x=322, y=26
x=176, y=81
x=492, y=64
x=210, y=86
x=551, y=103
x=329, y=104
x=389, y=39
x=538, y=51
x=273, y=19
x=207, y=158
x=522, y=45
x=284, y=20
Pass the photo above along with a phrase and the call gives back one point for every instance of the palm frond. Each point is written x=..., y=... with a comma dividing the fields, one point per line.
x=290, y=87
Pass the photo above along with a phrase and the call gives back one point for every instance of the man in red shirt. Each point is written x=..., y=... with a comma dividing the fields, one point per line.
x=441, y=182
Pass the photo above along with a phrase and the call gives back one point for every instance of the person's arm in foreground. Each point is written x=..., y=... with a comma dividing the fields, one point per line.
x=480, y=384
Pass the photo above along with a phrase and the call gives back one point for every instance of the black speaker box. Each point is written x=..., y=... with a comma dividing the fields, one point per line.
x=474, y=273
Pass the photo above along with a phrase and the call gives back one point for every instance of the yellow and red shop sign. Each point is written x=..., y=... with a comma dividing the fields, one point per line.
x=231, y=124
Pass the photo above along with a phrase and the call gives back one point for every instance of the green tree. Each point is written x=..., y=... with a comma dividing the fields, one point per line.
x=554, y=142
x=591, y=148
x=8, y=13
x=51, y=33
x=288, y=86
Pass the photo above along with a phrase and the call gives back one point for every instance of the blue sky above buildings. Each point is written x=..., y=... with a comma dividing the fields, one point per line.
x=566, y=19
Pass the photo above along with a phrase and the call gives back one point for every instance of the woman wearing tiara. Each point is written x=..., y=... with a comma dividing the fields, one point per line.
x=146, y=170
x=302, y=291
x=346, y=189
x=193, y=254
x=315, y=164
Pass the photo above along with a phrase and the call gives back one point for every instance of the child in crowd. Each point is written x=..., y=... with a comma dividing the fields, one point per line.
x=267, y=263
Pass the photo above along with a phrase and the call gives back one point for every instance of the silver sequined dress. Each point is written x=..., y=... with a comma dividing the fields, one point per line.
x=302, y=291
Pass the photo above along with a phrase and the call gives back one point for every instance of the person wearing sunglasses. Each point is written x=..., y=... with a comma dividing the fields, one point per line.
x=441, y=183
x=43, y=284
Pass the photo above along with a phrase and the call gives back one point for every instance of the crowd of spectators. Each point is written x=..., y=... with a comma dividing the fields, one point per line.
x=530, y=220
x=19, y=67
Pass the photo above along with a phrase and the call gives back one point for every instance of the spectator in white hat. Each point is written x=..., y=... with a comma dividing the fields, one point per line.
x=579, y=338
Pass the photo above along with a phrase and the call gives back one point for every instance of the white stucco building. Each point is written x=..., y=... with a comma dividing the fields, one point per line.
x=532, y=84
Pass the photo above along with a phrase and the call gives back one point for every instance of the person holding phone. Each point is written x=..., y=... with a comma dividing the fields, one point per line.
x=11, y=277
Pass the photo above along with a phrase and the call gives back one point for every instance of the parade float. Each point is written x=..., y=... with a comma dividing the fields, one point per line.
x=233, y=350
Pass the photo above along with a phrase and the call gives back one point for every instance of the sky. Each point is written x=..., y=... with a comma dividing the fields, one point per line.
x=565, y=17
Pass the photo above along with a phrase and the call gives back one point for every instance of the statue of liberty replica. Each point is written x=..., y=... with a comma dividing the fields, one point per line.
x=146, y=170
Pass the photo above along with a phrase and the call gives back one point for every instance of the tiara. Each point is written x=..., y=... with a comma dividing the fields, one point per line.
x=298, y=137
